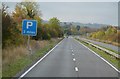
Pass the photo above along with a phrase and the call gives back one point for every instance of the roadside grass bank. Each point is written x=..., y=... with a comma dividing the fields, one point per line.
x=18, y=58
x=115, y=62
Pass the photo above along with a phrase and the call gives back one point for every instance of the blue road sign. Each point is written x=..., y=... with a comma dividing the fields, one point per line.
x=29, y=27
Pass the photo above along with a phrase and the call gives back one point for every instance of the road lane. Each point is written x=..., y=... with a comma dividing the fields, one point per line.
x=71, y=59
x=58, y=64
x=89, y=64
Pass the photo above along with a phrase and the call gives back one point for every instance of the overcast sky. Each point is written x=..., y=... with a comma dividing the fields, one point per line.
x=84, y=12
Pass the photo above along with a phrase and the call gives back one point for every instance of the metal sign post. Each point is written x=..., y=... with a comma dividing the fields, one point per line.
x=29, y=28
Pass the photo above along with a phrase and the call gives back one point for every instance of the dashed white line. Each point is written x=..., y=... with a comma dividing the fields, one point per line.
x=74, y=59
x=76, y=69
x=72, y=53
x=72, y=50
x=100, y=57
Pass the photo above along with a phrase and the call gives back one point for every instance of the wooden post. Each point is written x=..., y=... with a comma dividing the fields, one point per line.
x=29, y=47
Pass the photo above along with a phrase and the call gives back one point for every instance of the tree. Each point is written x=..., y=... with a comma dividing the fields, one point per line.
x=55, y=29
x=108, y=34
x=6, y=26
x=78, y=27
x=39, y=28
x=118, y=36
x=0, y=26
x=93, y=35
x=111, y=31
x=54, y=22
x=31, y=8
x=46, y=32
x=100, y=34
x=27, y=10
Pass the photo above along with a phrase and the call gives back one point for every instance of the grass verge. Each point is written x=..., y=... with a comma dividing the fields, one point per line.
x=115, y=62
x=19, y=64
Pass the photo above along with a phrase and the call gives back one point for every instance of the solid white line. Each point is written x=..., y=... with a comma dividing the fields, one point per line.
x=74, y=59
x=76, y=69
x=39, y=61
x=100, y=57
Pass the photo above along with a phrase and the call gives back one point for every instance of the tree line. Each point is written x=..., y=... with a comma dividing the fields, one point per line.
x=71, y=29
x=109, y=33
x=12, y=24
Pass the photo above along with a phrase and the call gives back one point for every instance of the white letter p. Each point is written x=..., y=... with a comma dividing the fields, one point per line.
x=29, y=24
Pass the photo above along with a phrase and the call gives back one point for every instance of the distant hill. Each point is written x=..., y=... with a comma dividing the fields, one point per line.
x=94, y=25
x=91, y=25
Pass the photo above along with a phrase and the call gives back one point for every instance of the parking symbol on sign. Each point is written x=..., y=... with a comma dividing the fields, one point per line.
x=29, y=27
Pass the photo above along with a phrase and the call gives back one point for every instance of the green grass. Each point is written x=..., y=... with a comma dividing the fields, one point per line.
x=109, y=58
x=12, y=69
x=15, y=67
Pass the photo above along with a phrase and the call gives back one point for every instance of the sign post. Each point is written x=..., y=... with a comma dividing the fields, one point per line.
x=29, y=28
x=28, y=43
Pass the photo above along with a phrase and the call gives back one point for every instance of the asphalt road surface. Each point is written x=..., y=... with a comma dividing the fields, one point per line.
x=71, y=59
x=115, y=48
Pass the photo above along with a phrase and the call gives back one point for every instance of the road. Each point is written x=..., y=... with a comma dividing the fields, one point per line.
x=71, y=59
x=115, y=48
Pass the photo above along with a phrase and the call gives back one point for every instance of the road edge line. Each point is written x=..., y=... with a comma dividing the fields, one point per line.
x=39, y=60
x=100, y=57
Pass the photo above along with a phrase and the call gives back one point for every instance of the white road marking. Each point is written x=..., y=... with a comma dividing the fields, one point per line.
x=72, y=53
x=38, y=61
x=72, y=50
x=74, y=59
x=100, y=57
x=76, y=69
